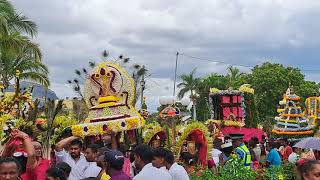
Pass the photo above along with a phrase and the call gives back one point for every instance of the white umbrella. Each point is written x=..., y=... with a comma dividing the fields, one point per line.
x=309, y=143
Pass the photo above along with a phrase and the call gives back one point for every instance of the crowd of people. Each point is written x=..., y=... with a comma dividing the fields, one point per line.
x=267, y=153
x=22, y=158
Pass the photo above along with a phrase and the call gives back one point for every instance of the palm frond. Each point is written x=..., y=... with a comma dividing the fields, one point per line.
x=4, y=29
x=33, y=49
x=182, y=92
x=37, y=77
x=30, y=65
x=13, y=41
x=6, y=11
x=6, y=8
x=189, y=83
x=22, y=24
x=21, y=45
x=181, y=84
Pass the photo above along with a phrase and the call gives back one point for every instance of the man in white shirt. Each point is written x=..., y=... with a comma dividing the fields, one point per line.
x=164, y=159
x=143, y=156
x=215, y=153
x=256, y=148
x=91, y=155
x=73, y=157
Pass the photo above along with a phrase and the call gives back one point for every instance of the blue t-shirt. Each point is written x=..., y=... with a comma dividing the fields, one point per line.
x=274, y=158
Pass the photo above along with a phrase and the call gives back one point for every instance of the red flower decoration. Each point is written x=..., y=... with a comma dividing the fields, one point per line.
x=301, y=162
x=40, y=121
x=171, y=113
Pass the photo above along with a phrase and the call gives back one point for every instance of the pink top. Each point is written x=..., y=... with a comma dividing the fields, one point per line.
x=37, y=173
x=127, y=166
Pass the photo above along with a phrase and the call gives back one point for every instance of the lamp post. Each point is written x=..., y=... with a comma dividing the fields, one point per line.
x=175, y=75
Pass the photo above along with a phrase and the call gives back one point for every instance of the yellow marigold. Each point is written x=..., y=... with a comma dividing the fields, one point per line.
x=214, y=90
x=247, y=90
x=132, y=123
x=142, y=122
x=116, y=126
x=91, y=130
x=281, y=177
x=100, y=129
x=77, y=130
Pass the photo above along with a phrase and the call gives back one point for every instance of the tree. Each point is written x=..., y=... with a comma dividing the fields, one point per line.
x=12, y=24
x=212, y=80
x=190, y=84
x=17, y=51
x=6, y=11
x=26, y=63
x=270, y=81
x=233, y=75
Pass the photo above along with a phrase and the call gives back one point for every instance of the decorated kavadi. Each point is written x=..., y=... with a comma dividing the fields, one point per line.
x=109, y=93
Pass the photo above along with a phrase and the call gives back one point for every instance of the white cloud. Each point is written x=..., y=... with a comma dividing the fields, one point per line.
x=63, y=90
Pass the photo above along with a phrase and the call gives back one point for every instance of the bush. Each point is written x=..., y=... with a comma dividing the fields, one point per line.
x=233, y=169
x=283, y=172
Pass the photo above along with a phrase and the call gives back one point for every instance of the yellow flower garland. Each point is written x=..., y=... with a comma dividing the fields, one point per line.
x=115, y=125
x=150, y=130
x=214, y=90
x=311, y=114
x=226, y=122
x=246, y=88
x=77, y=131
x=292, y=133
x=133, y=122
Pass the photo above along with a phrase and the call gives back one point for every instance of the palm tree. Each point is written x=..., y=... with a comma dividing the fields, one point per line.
x=17, y=51
x=189, y=83
x=12, y=25
x=6, y=11
x=233, y=75
x=26, y=63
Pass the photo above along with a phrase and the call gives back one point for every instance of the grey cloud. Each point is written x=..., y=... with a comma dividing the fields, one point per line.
x=73, y=32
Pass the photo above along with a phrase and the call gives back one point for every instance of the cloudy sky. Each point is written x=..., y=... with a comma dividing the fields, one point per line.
x=238, y=32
